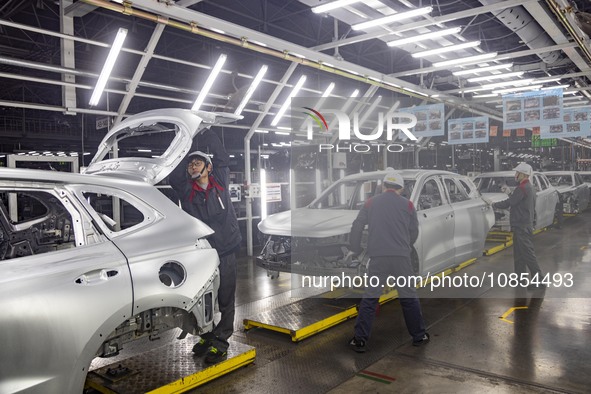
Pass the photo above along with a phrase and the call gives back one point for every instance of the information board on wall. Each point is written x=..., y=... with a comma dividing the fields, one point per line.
x=430, y=120
x=467, y=130
x=526, y=110
x=576, y=123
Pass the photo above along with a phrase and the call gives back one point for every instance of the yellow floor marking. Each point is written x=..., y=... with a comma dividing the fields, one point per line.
x=510, y=311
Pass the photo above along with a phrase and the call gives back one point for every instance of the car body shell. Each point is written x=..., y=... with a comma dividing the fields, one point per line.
x=452, y=226
x=574, y=192
x=504, y=182
x=85, y=297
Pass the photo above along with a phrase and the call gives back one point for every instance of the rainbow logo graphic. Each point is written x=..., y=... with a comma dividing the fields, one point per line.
x=317, y=116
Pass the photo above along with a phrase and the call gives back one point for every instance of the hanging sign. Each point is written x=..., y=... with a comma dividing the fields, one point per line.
x=467, y=130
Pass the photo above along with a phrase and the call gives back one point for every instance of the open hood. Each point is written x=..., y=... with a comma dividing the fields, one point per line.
x=171, y=128
x=307, y=222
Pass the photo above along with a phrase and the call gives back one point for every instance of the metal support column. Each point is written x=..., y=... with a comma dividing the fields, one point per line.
x=67, y=58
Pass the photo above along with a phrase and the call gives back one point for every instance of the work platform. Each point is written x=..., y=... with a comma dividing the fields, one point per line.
x=306, y=317
x=167, y=369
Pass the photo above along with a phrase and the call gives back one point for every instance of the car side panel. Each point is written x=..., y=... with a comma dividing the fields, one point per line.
x=52, y=305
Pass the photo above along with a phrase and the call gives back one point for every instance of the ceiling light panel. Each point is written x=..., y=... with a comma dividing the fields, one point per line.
x=392, y=18
x=424, y=37
x=449, y=48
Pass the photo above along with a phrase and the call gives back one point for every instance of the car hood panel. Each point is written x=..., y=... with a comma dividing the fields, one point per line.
x=306, y=222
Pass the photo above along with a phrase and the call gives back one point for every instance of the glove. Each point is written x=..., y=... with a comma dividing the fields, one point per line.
x=488, y=201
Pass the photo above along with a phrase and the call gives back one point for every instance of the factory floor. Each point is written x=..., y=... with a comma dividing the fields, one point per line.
x=543, y=345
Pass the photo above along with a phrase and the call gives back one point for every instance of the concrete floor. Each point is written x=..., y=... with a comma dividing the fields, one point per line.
x=544, y=348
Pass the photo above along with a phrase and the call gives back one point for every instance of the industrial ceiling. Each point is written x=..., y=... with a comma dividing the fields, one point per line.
x=51, y=53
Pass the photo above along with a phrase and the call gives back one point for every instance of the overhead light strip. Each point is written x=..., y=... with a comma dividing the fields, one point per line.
x=466, y=60
x=521, y=89
x=483, y=69
x=333, y=5
x=251, y=89
x=446, y=49
x=287, y=102
x=209, y=82
x=108, y=67
x=496, y=76
x=424, y=37
x=392, y=18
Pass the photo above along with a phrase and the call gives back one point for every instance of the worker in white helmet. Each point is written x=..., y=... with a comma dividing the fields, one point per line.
x=393, y=228
x=521, y=204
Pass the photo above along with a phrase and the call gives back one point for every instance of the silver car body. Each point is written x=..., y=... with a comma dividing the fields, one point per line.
x=76, y=284
x=453, y=220
x=574, y=193
x=504, y=181
x=586, y=178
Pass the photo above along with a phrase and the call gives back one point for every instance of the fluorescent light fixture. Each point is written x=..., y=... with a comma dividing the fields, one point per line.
x=423, y=37
x=145, y=150
x=466, y=60
x=263, y=183
x=284, y=128
x=544, y=80
x=516, y=82
x=261, y=131
x=86, y=154
x=446, y=49
x=209, y=82
x=231, y=156
x=484, y=95
x=328, y=90
x=283, y=108
x=333, y=5
x=556, y=87
x=393, y=18
x=521, y=89
x=355, y=93
x=108, y=67
x=282, y=133
x=483, y=69
x=251, y=89
x=496, y=76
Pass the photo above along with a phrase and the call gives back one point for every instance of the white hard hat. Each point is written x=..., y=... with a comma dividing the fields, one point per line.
x=203, y=156
x=524, y=168
x=394, y=178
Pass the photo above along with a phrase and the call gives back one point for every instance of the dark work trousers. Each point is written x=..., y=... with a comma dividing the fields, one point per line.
x=524, y=255
x=226, y=303
x=382, y=267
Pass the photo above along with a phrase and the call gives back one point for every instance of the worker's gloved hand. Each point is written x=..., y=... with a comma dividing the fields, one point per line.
x=488, y=201
x=351, y=258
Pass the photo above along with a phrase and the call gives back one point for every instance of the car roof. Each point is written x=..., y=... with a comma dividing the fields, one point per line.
x=499, y=174
x=406, y=174
x=560, y=172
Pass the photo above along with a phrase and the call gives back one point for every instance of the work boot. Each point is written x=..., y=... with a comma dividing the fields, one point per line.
x=201, y=347
x=215, y=355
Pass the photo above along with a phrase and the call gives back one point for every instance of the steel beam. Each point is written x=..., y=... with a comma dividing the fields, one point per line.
x=67, y=57
x=417, y=25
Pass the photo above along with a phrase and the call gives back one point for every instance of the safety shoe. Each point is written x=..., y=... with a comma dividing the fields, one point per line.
x=201, y=347
x=215, y=355
x=358, y=345
x=426, y=338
